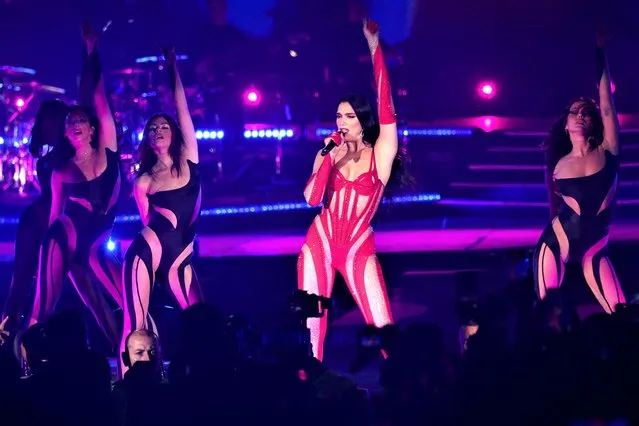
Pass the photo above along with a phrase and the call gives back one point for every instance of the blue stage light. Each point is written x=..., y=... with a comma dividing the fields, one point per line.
x=322, y=132
x=260, y=208
x=273, y=133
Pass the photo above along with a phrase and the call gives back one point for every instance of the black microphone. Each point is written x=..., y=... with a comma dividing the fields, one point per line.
x=332, y=144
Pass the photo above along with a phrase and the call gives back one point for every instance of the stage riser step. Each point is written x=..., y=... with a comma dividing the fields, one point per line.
x=534, y=153
x=527, y=158
x=517, y=157
x=506, y=173
x=501, y=176
x=530, y=192
x=627, y=143
x=521, y=210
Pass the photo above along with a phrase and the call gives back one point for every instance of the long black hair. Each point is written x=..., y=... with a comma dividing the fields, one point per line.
x=557, y=145
x=48, y=127
x=147, y=156
x=366, y=115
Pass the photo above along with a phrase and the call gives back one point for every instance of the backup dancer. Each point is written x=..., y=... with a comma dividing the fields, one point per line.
x=582, y=168
x=167, y=192
x=85, y=189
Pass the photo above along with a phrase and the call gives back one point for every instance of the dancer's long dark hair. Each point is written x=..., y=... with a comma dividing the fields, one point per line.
x=147, y=156
x=558, y=143
x=399, y=177
x=48, y=127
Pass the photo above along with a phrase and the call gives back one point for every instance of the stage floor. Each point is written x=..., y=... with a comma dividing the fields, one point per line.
x=397, y=241
x=408, y=237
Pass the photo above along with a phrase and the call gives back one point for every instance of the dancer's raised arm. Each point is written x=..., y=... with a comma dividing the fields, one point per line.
x=183, y=115
x=606, y=101
x=107, y=137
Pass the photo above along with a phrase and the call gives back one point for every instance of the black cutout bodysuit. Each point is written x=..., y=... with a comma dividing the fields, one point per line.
x=102, y=194
x=89, y=212
x=585, y=230
x=184, y=203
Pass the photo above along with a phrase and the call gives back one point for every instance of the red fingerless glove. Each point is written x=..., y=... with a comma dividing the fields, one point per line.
x=318, y=181
x=382, y=82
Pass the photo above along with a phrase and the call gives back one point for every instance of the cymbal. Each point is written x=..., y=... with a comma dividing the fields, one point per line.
x=152, y=60
x=39, y=87
x=48, y=88
x=128, y=71
x=16, y=71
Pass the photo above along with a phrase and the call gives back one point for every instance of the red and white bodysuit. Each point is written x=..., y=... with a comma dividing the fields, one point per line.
x=341, y=237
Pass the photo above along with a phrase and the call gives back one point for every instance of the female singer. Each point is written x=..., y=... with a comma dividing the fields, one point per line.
x=84, y=192
x=582, y=167
x=167, y=192
x=350, y=181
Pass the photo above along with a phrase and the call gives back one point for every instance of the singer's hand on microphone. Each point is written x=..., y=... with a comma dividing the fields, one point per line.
x=331, y=143
x=335, y=136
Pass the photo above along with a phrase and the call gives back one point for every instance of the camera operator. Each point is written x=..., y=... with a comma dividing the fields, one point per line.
x=140, y=387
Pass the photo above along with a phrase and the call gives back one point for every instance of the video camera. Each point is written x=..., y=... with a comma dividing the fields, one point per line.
x=292, y=338
x=304, y=305
x=371, y=341
x=628, y=312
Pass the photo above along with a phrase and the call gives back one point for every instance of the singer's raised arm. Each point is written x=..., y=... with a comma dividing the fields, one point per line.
x=387, y=145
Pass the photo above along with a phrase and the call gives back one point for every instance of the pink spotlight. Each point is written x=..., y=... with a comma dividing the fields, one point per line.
x=252, y=97
x=20, y=103
x=487, y=90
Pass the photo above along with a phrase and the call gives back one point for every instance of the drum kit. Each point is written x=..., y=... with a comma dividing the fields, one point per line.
x=135, y=94
x=19, y=96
